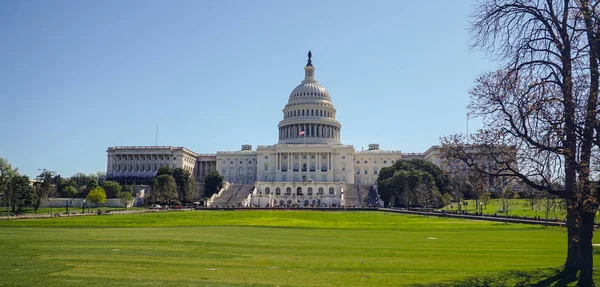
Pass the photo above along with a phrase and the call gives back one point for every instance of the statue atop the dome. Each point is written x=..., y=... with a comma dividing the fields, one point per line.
x=309, y=60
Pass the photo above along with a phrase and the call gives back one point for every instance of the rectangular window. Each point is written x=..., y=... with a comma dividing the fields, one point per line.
x=343, y=157
x=312, y=157
x=266, y=167
x=266, y=157
x=385, y=161
x=358, y=172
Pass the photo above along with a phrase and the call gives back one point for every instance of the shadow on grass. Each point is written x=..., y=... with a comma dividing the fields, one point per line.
x=538, y=278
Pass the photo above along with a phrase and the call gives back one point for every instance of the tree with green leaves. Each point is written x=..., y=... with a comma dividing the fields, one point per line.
x=446, y=199
x=20, y=193
x=112, y=188
x=6, y=173
x=212, y=183
x=163, y=190
x=186, y=185
x=44, y=189
x=125, y=198
x=69, y=191
x=412, y=183
x=164, y=170
x=485, y=198
x=96, y=196
x=92, y=185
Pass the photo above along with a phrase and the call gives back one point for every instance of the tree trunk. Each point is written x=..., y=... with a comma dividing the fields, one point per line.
x=585, y=244
x=572, y=264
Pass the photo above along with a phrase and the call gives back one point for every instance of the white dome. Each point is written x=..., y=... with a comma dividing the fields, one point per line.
x=309, y=116
x=309, y=90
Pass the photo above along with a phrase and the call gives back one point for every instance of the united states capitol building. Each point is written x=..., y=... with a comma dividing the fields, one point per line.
x=308, y=166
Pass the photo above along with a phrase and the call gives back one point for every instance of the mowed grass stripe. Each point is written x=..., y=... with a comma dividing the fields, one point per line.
x=268, y=248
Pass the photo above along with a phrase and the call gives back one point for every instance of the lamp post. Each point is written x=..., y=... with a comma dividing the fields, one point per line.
x=8, y=198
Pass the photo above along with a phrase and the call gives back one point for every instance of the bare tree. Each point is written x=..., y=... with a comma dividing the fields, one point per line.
x=533, y=198
x=541, y=107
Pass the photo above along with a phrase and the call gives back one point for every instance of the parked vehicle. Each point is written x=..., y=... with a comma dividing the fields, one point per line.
x=155, y=206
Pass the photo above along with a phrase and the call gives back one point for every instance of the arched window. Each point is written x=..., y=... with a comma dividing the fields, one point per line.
x=267, y=190
x=288, y=191
x=296, y=167
x=302, y=112
x=320, y=191
x=299, y=191
x=331, y=191
x=310, y=191
x=312, y=112
x=277, y=191
x=321, y=112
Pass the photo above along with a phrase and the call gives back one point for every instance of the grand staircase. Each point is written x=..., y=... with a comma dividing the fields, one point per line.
x=351, y=196
x=223, y=198
x=238, y=199
x=357, y=195
x=233, y=196
x=369, y=195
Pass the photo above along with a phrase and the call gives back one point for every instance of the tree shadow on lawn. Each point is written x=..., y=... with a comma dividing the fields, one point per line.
x=537, y=278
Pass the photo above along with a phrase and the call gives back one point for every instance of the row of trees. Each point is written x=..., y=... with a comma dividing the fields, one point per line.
x=19, y=192
x=176, y=186
x=542, y=106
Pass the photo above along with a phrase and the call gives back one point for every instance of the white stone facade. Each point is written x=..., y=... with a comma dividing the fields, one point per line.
x=238, y=167
x=131, y=163
x=279, y=194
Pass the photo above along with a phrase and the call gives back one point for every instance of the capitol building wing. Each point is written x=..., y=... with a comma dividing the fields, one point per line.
x=309, y=166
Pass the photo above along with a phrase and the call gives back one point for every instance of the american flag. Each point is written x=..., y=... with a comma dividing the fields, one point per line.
x=301, y=133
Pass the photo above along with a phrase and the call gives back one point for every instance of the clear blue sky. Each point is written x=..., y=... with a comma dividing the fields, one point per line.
x=79, y=76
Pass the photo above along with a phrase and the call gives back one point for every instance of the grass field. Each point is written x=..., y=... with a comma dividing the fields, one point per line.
x=520, y=207
x=276, y=248
x=54, y=210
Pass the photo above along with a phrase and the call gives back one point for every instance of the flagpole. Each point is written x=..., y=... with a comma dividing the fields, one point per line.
x=304, y=137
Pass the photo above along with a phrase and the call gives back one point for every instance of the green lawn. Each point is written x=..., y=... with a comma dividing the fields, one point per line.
x=275, y=248
x=520, y=207
x=54, y=210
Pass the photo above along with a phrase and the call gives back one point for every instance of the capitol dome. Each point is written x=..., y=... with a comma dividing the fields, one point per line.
x=309, y=116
